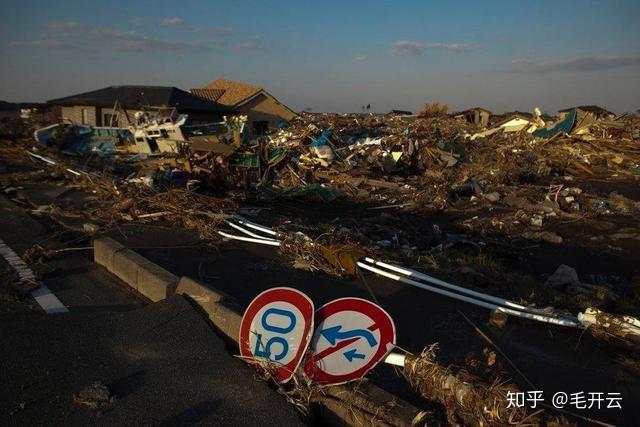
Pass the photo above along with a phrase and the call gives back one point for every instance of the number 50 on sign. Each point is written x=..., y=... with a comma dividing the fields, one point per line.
x=276, y=329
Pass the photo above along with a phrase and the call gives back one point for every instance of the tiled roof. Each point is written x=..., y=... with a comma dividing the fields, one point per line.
x=208, y=94
x=234, y=92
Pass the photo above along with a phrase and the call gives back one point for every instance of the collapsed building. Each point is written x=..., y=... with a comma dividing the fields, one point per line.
x=592, y=110
x=477, y=116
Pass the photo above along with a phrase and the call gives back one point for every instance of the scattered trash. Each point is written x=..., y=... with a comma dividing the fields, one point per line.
x=492, y=197
x=90, y=228
x=96, y=396
x=563, y=277
x=466, y=399
x=546, y=236
x=498, y=319
x=21, y=406
x=512, y=184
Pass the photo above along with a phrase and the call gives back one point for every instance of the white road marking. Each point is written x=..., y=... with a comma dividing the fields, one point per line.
x=43, y=295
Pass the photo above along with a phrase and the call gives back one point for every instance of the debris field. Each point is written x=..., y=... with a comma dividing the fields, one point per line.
x=536, y=220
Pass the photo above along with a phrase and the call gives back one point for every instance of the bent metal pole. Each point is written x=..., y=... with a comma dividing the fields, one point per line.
x=569, y=321
x=460, y=289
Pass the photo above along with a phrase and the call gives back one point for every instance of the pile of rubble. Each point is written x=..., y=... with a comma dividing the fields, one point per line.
x=520, y=177
x=427, y=163
x=513, y=178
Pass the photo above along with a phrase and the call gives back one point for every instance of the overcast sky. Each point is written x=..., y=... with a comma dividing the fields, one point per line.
x=333, y=55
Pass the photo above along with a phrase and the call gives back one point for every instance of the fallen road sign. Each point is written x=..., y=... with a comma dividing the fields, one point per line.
x=275, y=331
x=352, y=336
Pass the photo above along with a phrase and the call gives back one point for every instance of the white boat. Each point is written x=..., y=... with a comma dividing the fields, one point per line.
x=153, y=132
x=157, y=133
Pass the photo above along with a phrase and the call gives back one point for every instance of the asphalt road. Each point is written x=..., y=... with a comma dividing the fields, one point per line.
x=163, y=361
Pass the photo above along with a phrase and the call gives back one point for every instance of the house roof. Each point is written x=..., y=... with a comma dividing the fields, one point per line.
x=523, y=114
x=234, y=92
x=589, y=108
x=512, y=116
x=138, y=96
x=472, y=109
x=210, y=94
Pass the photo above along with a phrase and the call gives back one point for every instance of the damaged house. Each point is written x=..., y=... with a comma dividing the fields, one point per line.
x=587, y=116
x=588, y=110
x=477, y=116
x=117, y=105
x=263, y=109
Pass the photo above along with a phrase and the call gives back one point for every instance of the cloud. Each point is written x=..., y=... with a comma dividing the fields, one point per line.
x=48, y=43
x=111, y=33
x=157, y=45
x=583, y=64
x=124, y=42
x=57, y=29
x=248, y=45
x=172, y=22
x=71, y=35
x=408, y=47
x=63, y=25
x=136, y=21
x=218, y=31
x=359, y=58
x=415, y=48
x=450, y=47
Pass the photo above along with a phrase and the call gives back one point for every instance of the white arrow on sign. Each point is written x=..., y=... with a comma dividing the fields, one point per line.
x=352, y=335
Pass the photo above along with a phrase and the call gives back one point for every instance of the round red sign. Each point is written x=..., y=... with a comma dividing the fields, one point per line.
x=276, y=329
x=352, y=336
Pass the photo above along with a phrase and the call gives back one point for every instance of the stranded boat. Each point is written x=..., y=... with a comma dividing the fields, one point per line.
x=153, y=132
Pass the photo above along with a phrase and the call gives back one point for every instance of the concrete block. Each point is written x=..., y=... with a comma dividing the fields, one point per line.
x=234, y=319
x=198, y=292
x=218, y=317
x=126, y=264
x=226, y=320
x=103, y=251
x=154, y=282
x=350, y=404
x=223, y=312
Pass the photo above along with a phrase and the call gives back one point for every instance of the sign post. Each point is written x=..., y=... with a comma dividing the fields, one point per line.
x=276, y=329
x=352, y=336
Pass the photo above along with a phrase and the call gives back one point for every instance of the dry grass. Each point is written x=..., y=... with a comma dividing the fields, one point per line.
x=466, y=398
x=328, y=253
x=433, y=109
x=610, y=329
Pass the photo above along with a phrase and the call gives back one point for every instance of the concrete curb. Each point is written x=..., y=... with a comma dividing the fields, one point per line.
x=104, y=250
x=149, y=279
x=361, y=404
x=223, y=312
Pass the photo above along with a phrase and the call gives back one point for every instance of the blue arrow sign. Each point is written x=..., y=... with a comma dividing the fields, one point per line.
x=353, y=354
x=334, y=334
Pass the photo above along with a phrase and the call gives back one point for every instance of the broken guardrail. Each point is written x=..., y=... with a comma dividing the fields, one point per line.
x=463, y=294
x=268, y=236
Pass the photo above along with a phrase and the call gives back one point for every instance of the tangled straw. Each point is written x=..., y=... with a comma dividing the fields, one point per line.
x=465, y=398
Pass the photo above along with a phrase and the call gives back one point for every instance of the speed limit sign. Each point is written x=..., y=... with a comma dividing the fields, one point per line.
x=276, y=329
